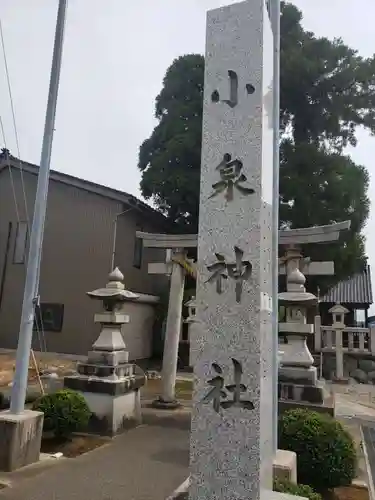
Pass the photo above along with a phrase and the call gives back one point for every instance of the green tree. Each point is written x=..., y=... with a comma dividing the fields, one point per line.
x=327, y=92
x=170, y=158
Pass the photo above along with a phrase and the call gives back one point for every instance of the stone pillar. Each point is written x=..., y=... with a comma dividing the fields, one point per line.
x=338, y=314
x=231, y=450
x=339, y=356
x=317, y=333
x=172, y=335
x=108, y=382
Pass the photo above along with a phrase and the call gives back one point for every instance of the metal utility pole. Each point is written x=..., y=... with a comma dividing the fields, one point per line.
x=19, y=388
x=275, y=23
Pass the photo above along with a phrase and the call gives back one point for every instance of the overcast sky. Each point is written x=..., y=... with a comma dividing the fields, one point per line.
x=115, y=56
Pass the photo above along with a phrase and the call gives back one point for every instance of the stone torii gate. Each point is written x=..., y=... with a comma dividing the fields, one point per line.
x=177, y=265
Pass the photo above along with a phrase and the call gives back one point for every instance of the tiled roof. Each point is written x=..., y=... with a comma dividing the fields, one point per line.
x=7, y=160
x=357, y=290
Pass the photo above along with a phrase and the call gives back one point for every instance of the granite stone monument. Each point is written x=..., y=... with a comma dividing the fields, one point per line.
x=231, y=346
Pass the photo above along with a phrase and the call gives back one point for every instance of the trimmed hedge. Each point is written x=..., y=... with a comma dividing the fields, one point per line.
x=65, y=412
x=326, y=456
x=301, y=490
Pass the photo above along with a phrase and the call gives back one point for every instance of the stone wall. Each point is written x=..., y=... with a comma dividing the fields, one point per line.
x=361, y=369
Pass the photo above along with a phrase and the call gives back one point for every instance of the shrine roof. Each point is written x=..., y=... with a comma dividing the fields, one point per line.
x=355, y=290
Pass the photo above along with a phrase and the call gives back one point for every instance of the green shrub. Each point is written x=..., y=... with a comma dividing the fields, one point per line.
x=65, y=412
x=301, y=490
x=326, y=456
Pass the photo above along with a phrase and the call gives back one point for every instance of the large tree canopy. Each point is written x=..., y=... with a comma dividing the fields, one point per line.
x=170, y=158
x=327, y=91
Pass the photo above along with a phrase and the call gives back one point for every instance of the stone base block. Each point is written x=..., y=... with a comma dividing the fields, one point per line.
x=115, y=404
x=108, y=358
x=182, y=493
x=99, y=385
x=298, y=375
x=20, y=439
x=285, y=466
x=106, y=371
x=327, y=407
x=342, y=381
x=114, y=414
x=160, y=404
x=314, y=394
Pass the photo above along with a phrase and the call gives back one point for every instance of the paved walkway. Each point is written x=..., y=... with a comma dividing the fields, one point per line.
x=146, y=463
x=346, y=407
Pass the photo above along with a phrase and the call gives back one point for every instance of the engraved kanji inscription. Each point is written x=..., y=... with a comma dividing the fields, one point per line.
x=232, y=91
x=231, y=177
x=220, y=391
x=240, y=271
x=219, y=272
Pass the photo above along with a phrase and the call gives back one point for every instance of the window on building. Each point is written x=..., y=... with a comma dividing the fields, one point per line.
x=19, y=255
x=49, y=317
x=360, y=318
x=138, y=250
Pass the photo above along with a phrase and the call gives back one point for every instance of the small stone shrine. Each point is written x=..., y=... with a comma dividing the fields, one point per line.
x=109, y=383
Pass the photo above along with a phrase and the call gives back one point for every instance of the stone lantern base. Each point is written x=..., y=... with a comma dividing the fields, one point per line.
x=315, y=397
x=112, y=393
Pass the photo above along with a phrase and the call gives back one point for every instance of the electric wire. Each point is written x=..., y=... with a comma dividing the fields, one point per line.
x=10, y=170
x=37, y=309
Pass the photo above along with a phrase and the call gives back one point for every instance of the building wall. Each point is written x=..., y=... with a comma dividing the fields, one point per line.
x=76, y=258
x=141, y=320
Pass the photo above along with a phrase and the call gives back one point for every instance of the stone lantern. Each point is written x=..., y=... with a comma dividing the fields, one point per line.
x=107, y=380
x=192, y=310
x=338, y=312
x=298, y=381
x=184, y=347
x=297, y=360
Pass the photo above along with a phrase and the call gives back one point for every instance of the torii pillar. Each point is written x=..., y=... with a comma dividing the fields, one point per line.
x=176, y=257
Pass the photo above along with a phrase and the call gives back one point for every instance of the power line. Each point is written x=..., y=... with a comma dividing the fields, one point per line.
x=14, y=122
x=40, y=332
x=10, y=170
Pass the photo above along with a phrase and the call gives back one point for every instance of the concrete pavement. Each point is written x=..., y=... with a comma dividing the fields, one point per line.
x=146, y=463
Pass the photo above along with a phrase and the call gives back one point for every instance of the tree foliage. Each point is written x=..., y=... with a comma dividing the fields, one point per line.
x=170, y=158
x=327, y=92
